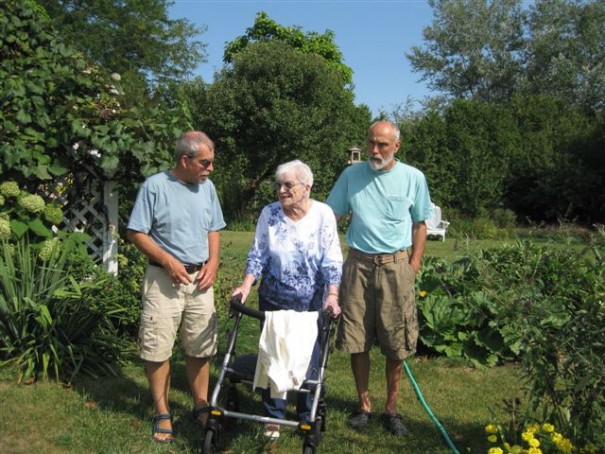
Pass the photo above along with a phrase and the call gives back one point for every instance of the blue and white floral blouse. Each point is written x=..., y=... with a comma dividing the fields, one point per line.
x=295, y=260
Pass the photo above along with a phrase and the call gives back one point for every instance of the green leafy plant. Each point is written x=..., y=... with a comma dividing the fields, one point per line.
x=51, y=324
x=62, y=115
x=541, y=305
x=456, y=316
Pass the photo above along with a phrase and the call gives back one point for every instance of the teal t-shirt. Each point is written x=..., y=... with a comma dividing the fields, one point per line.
x=177, y=216
x=383, y=205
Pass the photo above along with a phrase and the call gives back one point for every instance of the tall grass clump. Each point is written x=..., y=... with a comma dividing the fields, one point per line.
x=54, y=320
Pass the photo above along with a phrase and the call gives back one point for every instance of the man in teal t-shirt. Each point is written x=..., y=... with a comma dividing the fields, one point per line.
x=388, y=202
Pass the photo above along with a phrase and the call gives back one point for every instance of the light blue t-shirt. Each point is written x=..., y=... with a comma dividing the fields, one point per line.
x=383, y=205
x=177, y=216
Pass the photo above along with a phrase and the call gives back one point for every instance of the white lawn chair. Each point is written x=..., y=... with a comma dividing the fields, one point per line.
x=436, y=226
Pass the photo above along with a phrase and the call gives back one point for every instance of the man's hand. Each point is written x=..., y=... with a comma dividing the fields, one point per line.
x=177, y=272
x=206, y=277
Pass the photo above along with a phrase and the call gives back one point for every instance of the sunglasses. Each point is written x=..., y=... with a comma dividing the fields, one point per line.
x=203, y=162
x=287, y=184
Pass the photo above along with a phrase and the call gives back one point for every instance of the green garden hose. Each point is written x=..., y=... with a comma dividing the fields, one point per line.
x=446, y=437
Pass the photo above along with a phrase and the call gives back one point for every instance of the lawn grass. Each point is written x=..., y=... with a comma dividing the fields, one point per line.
x=113, y=415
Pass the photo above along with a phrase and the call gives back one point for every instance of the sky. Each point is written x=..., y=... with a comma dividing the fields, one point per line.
x=373, y=36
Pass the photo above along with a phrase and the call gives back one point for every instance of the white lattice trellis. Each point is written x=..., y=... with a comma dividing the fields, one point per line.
x=91, y=206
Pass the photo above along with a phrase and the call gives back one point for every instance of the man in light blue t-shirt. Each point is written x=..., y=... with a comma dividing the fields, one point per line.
x=388, y=202
x=175, y=222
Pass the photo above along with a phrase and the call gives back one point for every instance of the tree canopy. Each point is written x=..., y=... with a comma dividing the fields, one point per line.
x=266, y=29
x=272, y=105
x=132, y=37
x=493, y=50
x=472, y=48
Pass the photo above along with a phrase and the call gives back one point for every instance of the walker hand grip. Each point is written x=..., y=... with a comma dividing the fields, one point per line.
x=237, y=306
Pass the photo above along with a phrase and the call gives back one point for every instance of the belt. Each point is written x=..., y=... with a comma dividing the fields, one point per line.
x=379, y=259
x=189, y=267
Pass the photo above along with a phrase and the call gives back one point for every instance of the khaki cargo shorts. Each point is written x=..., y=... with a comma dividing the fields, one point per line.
x=168, y=310
x=378, y=306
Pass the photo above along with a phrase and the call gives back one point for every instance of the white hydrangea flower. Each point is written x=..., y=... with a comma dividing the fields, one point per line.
x=9, y=189
x=5, y=229
x=33, y=203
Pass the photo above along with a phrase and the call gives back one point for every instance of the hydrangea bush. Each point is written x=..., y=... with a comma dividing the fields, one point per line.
x=22, y=212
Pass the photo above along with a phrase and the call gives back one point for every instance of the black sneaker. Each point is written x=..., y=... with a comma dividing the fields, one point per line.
x=394, y=424
x=359, y=420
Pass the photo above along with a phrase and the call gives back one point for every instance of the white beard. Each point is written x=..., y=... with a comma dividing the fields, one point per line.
x=382, y=164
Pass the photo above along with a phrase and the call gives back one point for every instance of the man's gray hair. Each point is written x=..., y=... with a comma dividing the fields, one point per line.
x=189, y=143
x=394, y=127
x=297, y=167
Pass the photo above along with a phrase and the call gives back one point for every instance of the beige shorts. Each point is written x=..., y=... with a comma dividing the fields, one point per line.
x=168, y=310
x=378, y=306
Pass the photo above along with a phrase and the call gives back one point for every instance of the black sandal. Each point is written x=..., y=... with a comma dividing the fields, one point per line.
x=156, y=429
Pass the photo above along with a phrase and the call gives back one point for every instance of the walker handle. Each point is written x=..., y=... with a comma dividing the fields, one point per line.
x=237, y=306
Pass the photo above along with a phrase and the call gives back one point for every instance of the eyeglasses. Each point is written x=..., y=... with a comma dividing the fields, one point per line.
x=203, y=162
x=286, y=184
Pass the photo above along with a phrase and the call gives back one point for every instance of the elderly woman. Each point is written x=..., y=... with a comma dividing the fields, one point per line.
x=296, y=254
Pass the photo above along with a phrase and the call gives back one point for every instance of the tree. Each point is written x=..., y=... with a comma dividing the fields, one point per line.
x=493, y=50
x=566, y=53
x=556, y=175
x=266, y=29
x=482, y=138
x=132, y=37
x=271, y=105
x=472, y=48
x=425, y=144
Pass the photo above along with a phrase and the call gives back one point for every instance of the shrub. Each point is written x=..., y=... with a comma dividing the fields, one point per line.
x=504, y=219
x=131, y=263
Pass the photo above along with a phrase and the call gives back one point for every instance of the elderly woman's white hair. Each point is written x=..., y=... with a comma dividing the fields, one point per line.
x=301, y=170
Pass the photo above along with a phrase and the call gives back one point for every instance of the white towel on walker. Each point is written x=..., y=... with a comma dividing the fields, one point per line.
x=285, y=348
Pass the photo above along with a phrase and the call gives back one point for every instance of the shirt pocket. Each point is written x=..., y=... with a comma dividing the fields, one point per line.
x=398, y=208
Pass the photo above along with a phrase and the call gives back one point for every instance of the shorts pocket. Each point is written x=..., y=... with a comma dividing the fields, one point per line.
x=148, y=335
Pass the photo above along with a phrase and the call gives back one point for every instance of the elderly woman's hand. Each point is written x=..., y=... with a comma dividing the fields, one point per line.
x=331, y=302
x=244, y=288
x=241, y=290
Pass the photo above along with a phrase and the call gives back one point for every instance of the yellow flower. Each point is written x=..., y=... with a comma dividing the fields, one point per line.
x=516, y=449
x=492, y=438
x=534, y=442
x=527, y=435
x=534, y=451
x=548, y=428
x=533, y=427
x=495, y=451
x=422, y=293
x=564, y=445
x=491, y=429
x=556, y=437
